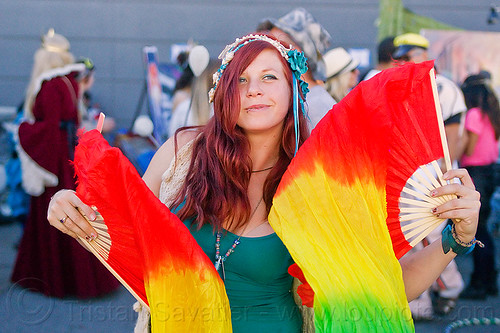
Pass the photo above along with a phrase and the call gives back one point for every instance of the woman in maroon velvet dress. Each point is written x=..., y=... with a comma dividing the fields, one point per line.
x=49, y=261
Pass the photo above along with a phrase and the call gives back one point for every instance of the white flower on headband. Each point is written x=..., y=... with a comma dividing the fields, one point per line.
x=211, y=95
x=228, y=57
x=215, y=77
x=226, y=49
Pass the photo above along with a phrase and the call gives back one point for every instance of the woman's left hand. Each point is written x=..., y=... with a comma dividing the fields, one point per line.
x=464, y=209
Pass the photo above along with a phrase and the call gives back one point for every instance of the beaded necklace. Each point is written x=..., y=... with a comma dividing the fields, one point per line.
x=219, y=260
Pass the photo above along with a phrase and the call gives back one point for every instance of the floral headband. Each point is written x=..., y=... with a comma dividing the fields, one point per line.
x=296, y=60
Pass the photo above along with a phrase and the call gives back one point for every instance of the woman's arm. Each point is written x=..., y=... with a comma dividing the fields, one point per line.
x=422, y=268
x=474, y=125
x=471, y=143
x=162, y=159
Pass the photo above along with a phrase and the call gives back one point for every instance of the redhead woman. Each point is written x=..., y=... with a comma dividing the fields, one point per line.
x=228, y=173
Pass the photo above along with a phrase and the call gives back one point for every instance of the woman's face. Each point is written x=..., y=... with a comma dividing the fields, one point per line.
x=264, y=94
x=353, y=78
x=87, y=83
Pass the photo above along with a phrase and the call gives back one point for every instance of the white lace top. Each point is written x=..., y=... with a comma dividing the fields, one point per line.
x=173, y=178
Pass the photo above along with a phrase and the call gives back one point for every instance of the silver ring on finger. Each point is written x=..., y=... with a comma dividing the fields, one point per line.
x=63, y=219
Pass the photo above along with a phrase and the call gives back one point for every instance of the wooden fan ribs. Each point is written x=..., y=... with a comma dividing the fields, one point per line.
x=101, y=246
x=417, y=221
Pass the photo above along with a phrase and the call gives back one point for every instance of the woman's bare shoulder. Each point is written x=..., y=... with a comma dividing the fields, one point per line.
x=164, y=156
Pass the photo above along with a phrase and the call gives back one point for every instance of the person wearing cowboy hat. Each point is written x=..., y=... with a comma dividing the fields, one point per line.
x=342, y=72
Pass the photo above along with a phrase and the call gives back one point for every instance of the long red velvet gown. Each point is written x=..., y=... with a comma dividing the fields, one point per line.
x=49, y=261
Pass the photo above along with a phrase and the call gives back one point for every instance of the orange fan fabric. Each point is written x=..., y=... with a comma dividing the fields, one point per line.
x=151, y=249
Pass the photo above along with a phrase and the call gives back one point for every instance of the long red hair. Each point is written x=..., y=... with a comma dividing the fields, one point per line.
x=215, y=189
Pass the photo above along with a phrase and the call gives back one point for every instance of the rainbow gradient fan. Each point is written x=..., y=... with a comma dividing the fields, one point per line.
x=356, y=198
x=147, y=247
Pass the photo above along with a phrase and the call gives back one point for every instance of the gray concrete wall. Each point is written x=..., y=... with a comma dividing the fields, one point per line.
x=113, y=32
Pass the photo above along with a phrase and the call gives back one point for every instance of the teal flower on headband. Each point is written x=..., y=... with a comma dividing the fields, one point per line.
x=298, y=62
x=304, y=86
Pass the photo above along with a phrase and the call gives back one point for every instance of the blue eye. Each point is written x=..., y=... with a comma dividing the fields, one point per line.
x=269, y=77
x=242, y=80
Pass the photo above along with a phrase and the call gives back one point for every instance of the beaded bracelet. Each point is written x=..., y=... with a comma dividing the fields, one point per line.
x=451, y=241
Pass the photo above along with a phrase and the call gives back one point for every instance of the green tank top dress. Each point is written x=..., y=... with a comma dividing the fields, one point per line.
x=256, y=279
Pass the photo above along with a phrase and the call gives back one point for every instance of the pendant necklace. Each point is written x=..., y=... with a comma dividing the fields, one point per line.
x=219, y=260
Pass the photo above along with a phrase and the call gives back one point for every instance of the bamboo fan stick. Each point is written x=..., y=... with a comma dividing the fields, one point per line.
x=435, y=167
x=104, y=240
x=117, y=276
x=102, y=232
x=439, y=173
x=103, y=244
x=419, y=223
x=100, y=122
x=413, y=216
x=418, y=186
x=100, y=251
x=423, y=180
x=424, y=190
x=415, y=232
x=418, y=203
x=421, y=196
x=405, y=210
x=99, y=225
x=431, y=177
x=95, y=252
x=426, y=169
x=425, y=233
x=439, y=115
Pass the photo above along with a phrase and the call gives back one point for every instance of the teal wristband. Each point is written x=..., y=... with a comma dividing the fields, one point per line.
x=448, y=242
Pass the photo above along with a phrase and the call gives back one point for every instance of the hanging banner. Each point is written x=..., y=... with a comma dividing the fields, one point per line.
x=459, y=54
x=159, y=115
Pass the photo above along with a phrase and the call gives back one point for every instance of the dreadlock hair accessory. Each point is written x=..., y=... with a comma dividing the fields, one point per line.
x=296, y=60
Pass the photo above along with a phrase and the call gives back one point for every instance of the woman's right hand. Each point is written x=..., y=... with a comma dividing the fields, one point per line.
x=63, y=214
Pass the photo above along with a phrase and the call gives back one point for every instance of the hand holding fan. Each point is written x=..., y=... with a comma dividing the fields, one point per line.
x=337, y=208
x=146, y=246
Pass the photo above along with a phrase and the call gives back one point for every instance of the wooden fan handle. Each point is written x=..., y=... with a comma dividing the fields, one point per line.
x=89, y=246
x=439, y=114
